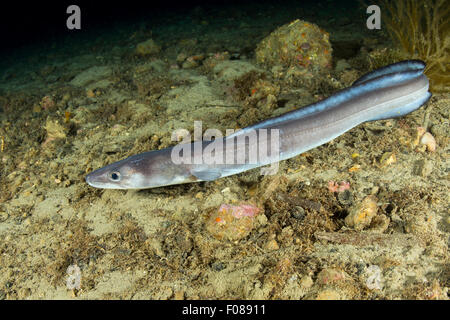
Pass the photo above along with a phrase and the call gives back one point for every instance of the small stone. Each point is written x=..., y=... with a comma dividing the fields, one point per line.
x=3, y=216
x=55, y=130
x=329, y=294
x=361, y=215
x=329, y=276
x=199, y=195
x=218, y=266
x=272, y=245
x=179, y=295
x=261, y=220
x=226, y=190
x=387, y=159
x=27, y=222
x=147, y=47
x=380, y=223
x=37, y=108
x=345, y=198
x=189, y=64
x=181, y=57
x=166, y=293
x=47, y=103
x=423, y=168
x=298, y=213
x=90, y=93
x=342, y=65
x=306, y=282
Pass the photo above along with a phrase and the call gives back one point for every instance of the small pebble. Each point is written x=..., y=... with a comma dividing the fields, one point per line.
x=90, y=93
x=298, y=213
x=361, y=215
x=345, y=198
x=423, y=168
x=199, y=195
x=27, y=222
x=379, y=223
x=272, y=245
x=387, y=159
x=181, y=57
x=329, y=294
x=329, y=275
x=36, y=108
x=218, y=266
x=3, y=216
x=179, y=295
x=306, y=282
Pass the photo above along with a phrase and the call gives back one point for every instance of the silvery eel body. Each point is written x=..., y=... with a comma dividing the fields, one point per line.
x=388, y=92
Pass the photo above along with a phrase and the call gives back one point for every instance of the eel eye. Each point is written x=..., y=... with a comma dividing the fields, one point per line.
x=115, y=176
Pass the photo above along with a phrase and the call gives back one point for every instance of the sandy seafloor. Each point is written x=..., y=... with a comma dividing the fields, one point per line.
x=154, y=244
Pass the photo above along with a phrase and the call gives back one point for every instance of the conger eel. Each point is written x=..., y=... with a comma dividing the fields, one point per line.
x=388, y=92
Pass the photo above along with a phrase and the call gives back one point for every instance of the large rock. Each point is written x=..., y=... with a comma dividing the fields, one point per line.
x=298, y=44
x=90, y=75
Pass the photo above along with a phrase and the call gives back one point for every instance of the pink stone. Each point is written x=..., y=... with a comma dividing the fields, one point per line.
x=240, y=211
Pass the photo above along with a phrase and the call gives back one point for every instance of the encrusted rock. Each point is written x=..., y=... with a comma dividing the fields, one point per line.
x=298, y=44
x=361, y=215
